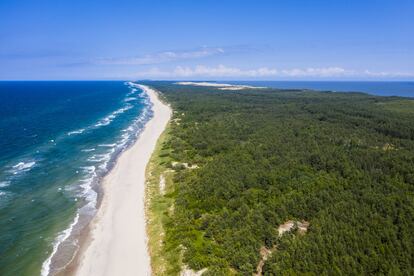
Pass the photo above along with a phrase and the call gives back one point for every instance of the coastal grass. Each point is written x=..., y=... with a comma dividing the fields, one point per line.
x=165, y=259
x=401, y=106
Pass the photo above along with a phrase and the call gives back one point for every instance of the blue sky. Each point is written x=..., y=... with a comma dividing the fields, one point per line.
x=211, y=40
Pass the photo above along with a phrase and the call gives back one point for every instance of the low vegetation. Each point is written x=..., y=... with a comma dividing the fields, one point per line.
x=340, y=163
x=164, y=260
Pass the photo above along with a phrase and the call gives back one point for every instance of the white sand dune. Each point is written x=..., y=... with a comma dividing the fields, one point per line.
x=221, y=86
x=118, y=240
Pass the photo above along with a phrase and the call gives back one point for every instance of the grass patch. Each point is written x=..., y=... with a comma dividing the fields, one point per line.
x=402, y=106
x=165, y=259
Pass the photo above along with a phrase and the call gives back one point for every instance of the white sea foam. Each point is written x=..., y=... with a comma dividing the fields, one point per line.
x=130, y=128
x=99, y=158
x=107, y=145
x=79, y=131
x=88, y=193
x=108, y=119
x=4, y=184
x=130, y=83
x=62, y=236
x=89, y=169
x=124, y=140
x=86, y=190
x=22, y=167
x=132, y=92
x=88, y=150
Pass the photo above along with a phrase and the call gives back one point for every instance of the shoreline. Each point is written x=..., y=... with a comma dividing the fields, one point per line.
x=70, y=241
x=115, y=242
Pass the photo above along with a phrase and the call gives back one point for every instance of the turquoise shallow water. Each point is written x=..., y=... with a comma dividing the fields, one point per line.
x=57, y=140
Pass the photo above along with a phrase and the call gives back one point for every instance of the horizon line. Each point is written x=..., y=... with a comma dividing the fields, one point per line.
x=219, y=80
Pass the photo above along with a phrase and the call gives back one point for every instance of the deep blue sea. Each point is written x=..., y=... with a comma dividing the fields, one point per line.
x=57, y=139
x=379, y=88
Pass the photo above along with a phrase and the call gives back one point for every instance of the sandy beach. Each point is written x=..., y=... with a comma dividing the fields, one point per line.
x=117, y=242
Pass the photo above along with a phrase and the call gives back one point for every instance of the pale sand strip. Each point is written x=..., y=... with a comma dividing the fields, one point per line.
x=118, y=244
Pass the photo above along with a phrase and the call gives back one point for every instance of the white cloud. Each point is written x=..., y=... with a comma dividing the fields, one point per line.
x=222, y=71
x=163, y=57
x=205, y=71
x=388, y=74
x=225, y=71
x=316, y=72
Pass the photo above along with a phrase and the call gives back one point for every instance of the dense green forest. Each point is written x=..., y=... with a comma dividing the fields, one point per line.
x=344, y=162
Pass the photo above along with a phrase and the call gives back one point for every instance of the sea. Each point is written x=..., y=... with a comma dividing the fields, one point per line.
x=57, y=140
